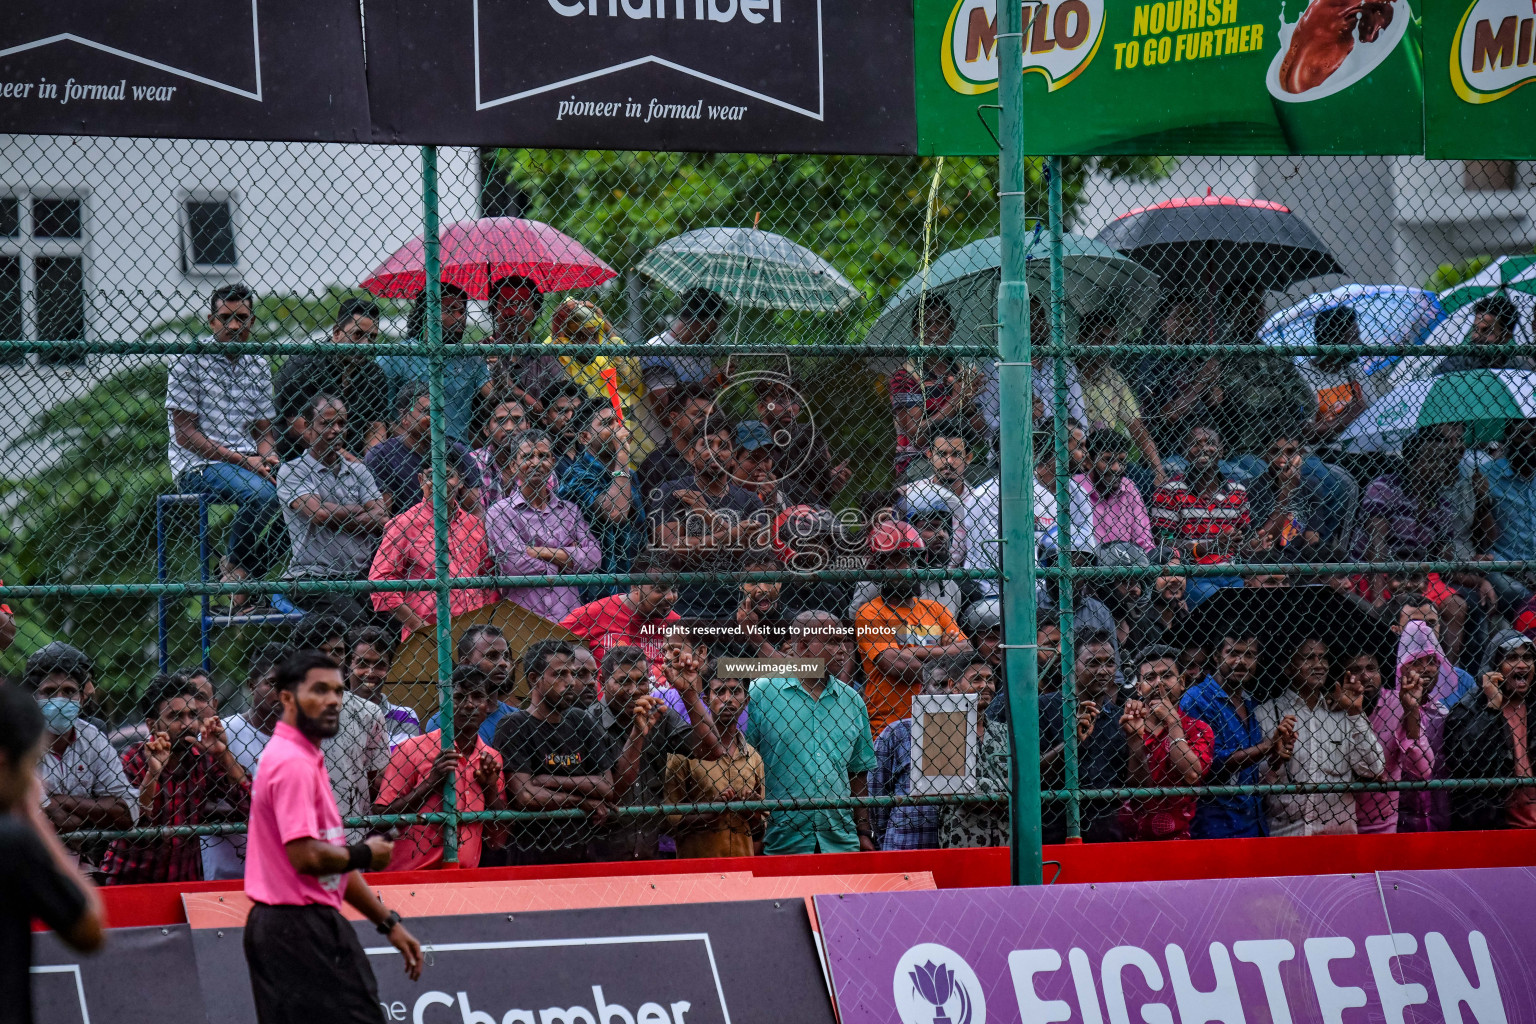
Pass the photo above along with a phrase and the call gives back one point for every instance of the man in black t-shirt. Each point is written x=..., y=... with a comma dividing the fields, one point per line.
x=38, y=877
x=355, y=379
x=555, y=758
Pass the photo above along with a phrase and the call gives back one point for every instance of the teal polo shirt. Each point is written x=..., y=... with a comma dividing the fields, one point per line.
x=809, y=747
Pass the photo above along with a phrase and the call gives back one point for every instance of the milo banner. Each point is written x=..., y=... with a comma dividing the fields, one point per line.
x=1179, y=76
x=1451, y=946
x=1478, y=56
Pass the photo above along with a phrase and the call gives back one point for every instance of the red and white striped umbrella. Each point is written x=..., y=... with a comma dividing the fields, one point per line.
x=476, y=252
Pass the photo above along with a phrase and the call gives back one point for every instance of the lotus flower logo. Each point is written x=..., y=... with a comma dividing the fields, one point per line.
x=934, y=985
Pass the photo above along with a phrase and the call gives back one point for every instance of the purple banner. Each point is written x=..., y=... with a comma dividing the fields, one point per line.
x=1304, y=950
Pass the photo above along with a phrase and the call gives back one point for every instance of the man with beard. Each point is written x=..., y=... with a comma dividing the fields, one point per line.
x=1119, y=514
x=464, y=377
x=1486, y=737
x=1125, y=596
x=1203, y=513
x=556, y=758
x=185, y=772
x=898, y=632
x=304, y=957
x=706, y=521
x=1101, y=755
x=928, y=513
x=515, y=303
x=804, y=460
x=686, y=411
x=635, y=618
x=353, y=377
x=562, y=404
x=627, y=696
x=1331, y=741
x=1242, y=748
x=737, y=775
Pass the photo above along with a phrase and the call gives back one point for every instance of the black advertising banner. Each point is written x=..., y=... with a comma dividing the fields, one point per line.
x=142, y=976
x=792, y=76
x=751, y=962
x=220, y=69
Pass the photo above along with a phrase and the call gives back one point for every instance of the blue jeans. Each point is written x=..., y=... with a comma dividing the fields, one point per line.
x=256, y=539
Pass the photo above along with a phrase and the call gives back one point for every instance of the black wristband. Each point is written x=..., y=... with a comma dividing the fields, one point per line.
x=388, y=924
x=359, y=857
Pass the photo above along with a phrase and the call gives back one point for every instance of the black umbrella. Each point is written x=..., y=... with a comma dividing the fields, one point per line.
x=1216, y=243
x=1282, y=617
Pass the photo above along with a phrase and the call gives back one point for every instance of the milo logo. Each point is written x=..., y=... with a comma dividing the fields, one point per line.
x=1060, y=39
x=1492, y=53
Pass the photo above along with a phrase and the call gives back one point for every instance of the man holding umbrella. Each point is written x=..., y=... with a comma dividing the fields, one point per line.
x=464, y=377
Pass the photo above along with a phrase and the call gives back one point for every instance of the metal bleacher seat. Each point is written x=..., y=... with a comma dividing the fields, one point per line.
x=165, y=504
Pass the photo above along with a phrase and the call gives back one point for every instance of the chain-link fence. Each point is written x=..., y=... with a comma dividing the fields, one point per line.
x=677, y=503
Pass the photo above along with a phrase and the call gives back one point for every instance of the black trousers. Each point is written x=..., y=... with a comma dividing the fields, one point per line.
x=307, y=966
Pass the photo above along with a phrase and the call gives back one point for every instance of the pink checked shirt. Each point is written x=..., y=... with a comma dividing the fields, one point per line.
x=1122, y=516
x=407, y=553
x=291, y=800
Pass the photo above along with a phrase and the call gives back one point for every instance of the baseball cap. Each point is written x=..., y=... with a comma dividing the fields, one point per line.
x=752, y=435
x=894, y=536
x=982, y=616
x=1122, y=554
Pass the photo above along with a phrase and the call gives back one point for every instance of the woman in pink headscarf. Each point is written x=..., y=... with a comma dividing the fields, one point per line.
x=1410, y=721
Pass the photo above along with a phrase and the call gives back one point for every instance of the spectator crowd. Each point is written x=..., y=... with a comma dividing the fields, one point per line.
x=560, y=469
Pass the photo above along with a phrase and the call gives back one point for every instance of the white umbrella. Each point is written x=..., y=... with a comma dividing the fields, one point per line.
x=1387, y=315
x=1483, y=399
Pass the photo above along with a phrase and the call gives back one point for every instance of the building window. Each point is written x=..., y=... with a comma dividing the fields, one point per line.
x=210, y=237
x=43, y=273
x=1489, y=176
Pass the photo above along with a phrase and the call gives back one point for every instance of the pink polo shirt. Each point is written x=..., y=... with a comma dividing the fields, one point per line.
x=291, y=800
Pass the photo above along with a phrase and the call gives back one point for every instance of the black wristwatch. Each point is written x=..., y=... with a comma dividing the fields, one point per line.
x=388, y=924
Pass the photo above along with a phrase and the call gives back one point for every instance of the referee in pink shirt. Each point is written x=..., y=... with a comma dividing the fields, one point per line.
x=304, y=956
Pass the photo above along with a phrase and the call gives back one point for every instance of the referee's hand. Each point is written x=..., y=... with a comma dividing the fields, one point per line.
x=382, y=849
x=410, y=950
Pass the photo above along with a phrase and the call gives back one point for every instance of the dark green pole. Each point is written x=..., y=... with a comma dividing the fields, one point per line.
x=1017, y=503
x=437, y=359
x=1062, y=407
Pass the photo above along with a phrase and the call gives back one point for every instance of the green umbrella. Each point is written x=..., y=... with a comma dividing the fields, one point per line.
x=1505, y=274
x=1094, y=277
x=1483, y=399
x=749, y=267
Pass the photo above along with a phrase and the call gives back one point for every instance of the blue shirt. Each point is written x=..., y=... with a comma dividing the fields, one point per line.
x=487, y=727
x=582, y=484
x=1226, y=817
x=1514, y=510
x=899, y=828
x=463, y=377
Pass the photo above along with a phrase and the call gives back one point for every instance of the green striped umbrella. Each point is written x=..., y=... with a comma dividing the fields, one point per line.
x=749, y=267
x=1505, y=274
x=1483, y=399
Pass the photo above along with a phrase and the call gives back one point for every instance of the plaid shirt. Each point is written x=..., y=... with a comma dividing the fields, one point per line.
x=899, y=828
x=195, y=792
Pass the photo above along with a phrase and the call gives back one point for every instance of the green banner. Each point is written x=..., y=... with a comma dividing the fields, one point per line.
x=1180, y=76
x=1477, y=56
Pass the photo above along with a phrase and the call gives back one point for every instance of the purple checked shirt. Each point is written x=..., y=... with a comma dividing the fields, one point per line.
x=513, y=525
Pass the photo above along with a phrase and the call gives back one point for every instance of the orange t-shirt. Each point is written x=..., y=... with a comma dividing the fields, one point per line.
x=880, y=627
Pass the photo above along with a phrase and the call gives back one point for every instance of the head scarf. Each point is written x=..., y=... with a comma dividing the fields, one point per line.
x=1417, y=641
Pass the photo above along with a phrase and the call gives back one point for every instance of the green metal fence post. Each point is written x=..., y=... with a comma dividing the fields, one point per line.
x=1017, y=504
x=437, y=359
x=1061, y=407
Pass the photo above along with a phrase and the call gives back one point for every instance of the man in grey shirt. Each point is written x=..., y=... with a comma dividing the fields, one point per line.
x=334, y=511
